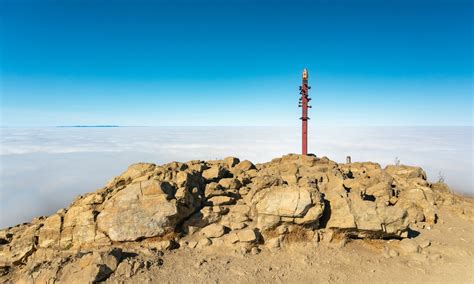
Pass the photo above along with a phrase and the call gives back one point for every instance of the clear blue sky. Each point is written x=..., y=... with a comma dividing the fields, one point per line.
x=235, y=63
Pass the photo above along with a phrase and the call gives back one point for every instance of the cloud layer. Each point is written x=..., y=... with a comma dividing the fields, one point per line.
x=43, y=169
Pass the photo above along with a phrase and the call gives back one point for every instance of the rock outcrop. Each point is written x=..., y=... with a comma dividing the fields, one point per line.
x=226, y=202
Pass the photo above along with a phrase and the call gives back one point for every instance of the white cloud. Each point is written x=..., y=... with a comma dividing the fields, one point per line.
x=43, y=169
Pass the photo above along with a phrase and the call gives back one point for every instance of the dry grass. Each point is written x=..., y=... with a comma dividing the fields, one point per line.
x=299, y=235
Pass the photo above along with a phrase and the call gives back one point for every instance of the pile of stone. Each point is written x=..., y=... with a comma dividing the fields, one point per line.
x=227, y=202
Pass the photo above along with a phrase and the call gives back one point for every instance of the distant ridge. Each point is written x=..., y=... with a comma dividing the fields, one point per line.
x=89, y=126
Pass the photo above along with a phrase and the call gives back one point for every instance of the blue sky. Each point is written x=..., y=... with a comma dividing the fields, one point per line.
x=235, y=62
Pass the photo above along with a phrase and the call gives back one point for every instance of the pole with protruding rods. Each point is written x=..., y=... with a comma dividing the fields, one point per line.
x=303, y=103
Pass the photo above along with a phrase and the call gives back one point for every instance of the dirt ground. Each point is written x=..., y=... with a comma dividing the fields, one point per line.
x=448, y=259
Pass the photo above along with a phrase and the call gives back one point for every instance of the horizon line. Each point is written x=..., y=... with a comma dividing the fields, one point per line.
x=232, y=125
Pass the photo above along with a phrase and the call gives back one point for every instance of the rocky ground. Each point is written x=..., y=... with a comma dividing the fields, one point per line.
x=294, y=219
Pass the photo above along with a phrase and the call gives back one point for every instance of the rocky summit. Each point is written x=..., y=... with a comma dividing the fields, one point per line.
x=127, y=226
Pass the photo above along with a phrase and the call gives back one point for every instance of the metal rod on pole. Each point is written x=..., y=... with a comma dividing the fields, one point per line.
x=304, y=100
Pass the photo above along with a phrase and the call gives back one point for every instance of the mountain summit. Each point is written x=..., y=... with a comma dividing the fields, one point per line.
x=121, y=229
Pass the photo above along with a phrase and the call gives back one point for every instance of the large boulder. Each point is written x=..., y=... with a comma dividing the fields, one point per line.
x=144, y=209
x=284, y=201
x=287, y=203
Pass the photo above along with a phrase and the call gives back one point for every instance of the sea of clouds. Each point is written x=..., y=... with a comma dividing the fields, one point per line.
x=43, y=169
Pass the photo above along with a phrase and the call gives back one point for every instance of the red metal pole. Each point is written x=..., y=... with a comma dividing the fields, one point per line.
x=304, y=100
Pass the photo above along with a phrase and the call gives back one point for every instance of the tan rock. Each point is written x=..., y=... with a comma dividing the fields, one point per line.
x=231, y=161
x=213, y=189
x=203, y=218
x=246, y=235
x=284, y=201
x=442, y=194
x=265, y=181
x=92, y=199
x=415, y=201
x=349, y=210
x=245, y=165
x=21, y=246
x=237, y=225
x=90, y=268
x=78, y=227
x=142, y=210
x=50, y=233
x=182, y=178
x=214, y=173
x=221, y=210
x=198, y=167
x=133, y=172
x=5, y=237
x=405, y=172
x=312, y=216
x=241, y=209
x=265, y=222
x=231, y=238
x=213, y=231
x=125, y=268
x=230, y=183
x=161, y=245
